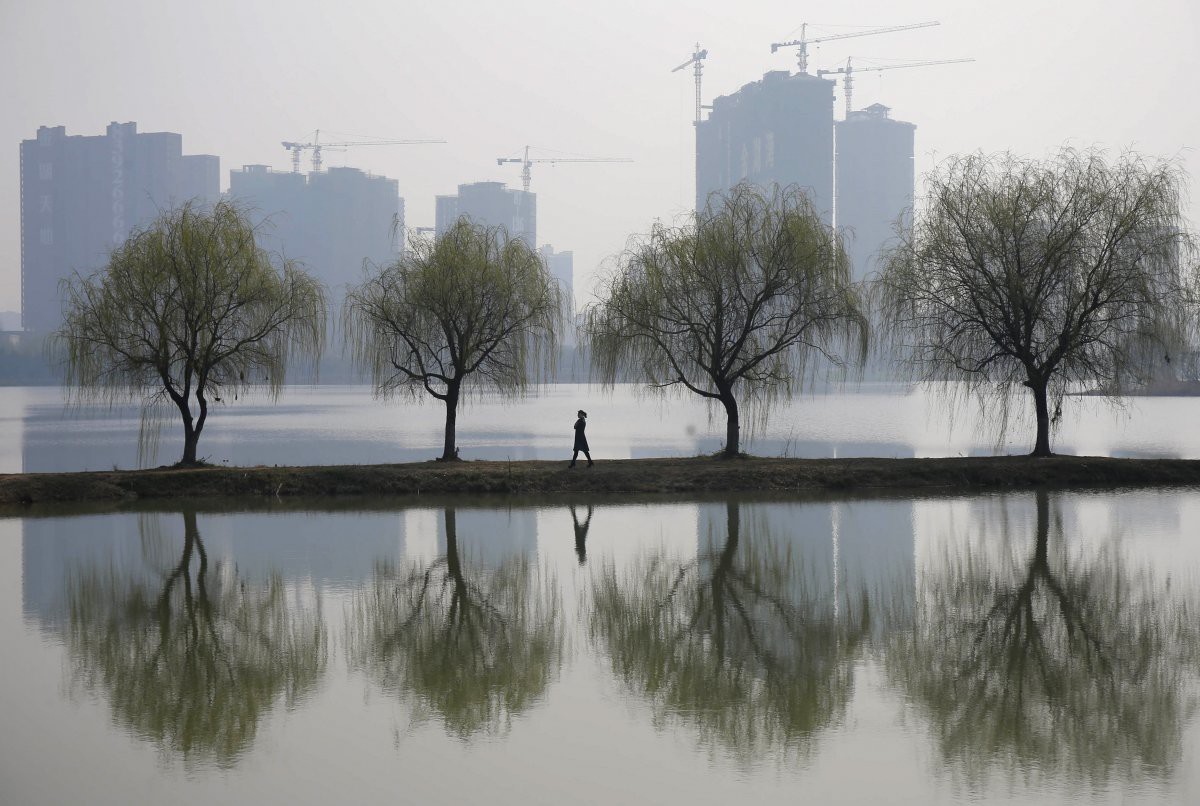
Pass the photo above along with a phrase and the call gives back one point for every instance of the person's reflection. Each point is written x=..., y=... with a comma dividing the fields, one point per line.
x=195, y=662
x=1041, y=666
x=739, y=644
x=471, y=646
x=581, y=533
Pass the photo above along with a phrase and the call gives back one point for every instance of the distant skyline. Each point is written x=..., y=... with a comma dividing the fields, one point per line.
x=236, y=79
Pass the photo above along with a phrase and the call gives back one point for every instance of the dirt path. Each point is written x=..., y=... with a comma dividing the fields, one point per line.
x=688, y=475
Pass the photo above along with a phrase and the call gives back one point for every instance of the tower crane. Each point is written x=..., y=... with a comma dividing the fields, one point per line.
x=316, y=145
x=803, y=42
x=527, y=163
x=697, y=61
x=849, y=70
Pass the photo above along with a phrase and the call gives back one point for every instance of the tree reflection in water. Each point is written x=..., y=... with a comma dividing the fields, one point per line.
x=739, y=644
x=1082, y=670
x=470, y=646
x=195, y=663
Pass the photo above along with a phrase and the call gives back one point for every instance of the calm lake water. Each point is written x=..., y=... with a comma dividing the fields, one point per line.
x=346, y=425
x=1018, y=648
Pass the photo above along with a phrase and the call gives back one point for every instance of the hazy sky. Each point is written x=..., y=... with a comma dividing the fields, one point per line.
x=235, y=77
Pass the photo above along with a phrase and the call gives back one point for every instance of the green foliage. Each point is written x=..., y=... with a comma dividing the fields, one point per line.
x=195, y=663
x=1041, y=666
x=472, y=647
x=1055, y=275
x=734, y=303
x=737, y=645
x=189, y=308
x=473, y=310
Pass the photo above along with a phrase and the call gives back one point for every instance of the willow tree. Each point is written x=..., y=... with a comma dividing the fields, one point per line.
x=470, y=645
x=473, y=310
x=196, y=660
x=189, y=310
x=1042, y=662
x=1055, y=275
x=731, y=304
x=742, y=644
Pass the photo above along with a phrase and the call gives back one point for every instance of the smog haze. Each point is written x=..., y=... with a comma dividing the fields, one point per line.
x=577, y=81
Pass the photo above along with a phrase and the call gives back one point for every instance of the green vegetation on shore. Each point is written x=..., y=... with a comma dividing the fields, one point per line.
x=694, y=475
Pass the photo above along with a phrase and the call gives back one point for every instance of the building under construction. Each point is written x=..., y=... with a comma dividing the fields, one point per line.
x=332, y=221
x=874, y=183
x=493, y=205
x=780, y=131
x=81, y=196
x=777, y=131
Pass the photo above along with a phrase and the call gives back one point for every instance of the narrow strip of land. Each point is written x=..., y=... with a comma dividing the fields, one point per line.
x=679, y=475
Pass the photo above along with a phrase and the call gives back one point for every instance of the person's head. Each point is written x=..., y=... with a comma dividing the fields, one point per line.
x=583, y=414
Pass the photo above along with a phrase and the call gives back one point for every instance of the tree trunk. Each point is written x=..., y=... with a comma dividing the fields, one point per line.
x=449, y=454
x=721, y=573
x=1041, y=408
x=459, y=600
x=453, y=564
x=1041, y=554
x=732, y=426
x=203, y=417
x=191, y=435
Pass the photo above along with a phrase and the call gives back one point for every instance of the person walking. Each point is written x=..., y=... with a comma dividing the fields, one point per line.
x=581, y=531
x=581, y=443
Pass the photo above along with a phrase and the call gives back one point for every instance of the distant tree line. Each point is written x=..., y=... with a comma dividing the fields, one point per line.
x=1075, y=273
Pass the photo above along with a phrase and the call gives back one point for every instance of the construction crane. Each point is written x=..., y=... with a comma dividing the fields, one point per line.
x=849, y=70
x=698, y=61
x=527, y=163
x=316, y=145
x=803, y=42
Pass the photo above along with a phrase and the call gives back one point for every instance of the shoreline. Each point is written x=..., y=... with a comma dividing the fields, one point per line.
x=620, y=476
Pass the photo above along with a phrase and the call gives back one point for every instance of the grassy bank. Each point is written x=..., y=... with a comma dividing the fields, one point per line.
x=678, y=475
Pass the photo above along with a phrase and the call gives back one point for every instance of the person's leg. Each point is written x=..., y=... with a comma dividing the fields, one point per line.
x=574, y=456
x=588, y=454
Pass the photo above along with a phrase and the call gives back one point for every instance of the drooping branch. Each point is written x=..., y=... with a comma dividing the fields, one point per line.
x=743, y=297
x=1054, y=275
x=471, y=312
x=189, y=306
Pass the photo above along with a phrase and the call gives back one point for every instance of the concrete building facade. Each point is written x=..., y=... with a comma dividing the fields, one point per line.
x=491, y=204
x=562, y=267
x=777, y=131
x=81, y=196
x=332, y=221
x=875, y=179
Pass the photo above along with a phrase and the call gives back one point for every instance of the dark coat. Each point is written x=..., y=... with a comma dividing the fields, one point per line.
x=580, y=439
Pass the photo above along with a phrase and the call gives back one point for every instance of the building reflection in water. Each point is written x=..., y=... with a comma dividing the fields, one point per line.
x=1028, y=658
x=1023, y=643
x=191, y=656
x=752, y=643
x=472, y=637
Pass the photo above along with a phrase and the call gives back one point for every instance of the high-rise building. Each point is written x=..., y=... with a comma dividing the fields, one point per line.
x=491, y=204
x=562, y=267
x=81, y=196
x=777, y=131
x=874, y=182
x=332, y=221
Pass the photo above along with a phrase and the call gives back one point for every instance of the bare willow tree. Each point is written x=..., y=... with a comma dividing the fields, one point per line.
x=1055, y=275
x=733, y=304
x=1042, y=662
x=188, y=310
x=473, y=310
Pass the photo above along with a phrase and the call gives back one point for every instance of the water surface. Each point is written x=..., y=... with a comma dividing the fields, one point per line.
x=346, y=425
x=1019, y=648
